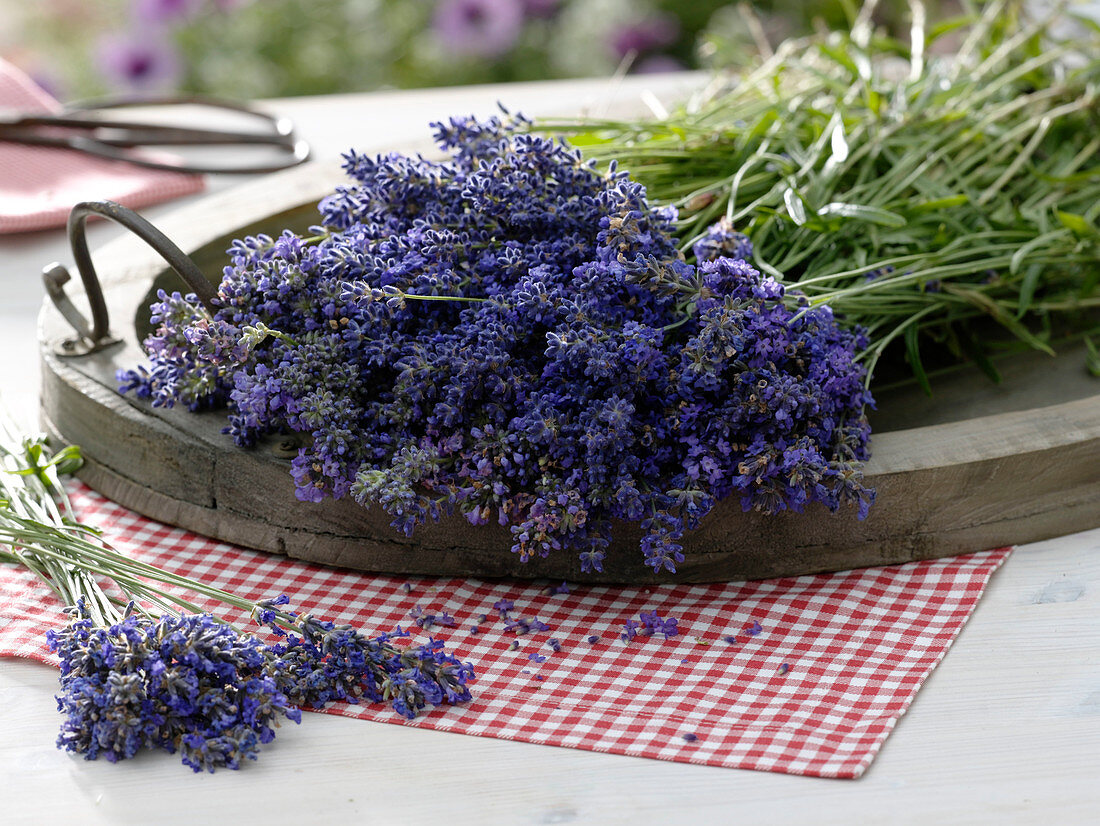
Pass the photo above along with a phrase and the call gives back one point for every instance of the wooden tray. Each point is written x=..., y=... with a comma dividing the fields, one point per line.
x=978, y=466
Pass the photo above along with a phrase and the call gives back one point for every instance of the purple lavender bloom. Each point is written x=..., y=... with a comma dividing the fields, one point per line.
x=520, y=626
x=722, y=241
x=139, y=62
x=630, y=630
x=554, y=382
x=485, y=28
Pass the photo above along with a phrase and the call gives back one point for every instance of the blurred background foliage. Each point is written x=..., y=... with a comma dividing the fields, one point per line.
x=272, y=48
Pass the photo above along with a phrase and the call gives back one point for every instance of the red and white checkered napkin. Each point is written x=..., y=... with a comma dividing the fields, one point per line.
x=39, y=185
x=836, y=660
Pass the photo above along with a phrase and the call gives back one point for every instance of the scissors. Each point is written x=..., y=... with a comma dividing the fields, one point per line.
x=91, y=129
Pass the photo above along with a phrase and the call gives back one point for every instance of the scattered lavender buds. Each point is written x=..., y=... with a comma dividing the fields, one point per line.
x=194, y=684
x=651, y=623
x=630, y=630
x=514, y=335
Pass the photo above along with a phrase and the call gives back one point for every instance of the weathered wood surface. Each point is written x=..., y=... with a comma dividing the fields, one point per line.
x=978, y=466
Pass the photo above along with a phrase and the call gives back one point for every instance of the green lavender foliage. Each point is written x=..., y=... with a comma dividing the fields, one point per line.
x=936, y=200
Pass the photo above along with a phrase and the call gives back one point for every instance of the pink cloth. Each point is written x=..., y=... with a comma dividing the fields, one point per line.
x=39, y=185
x=802, y=675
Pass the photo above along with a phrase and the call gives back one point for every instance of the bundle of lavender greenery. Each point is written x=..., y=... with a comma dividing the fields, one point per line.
x=143, y=667
x=513, y=334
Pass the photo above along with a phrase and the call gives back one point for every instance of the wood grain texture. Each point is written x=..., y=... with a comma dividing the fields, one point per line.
x=973, y=479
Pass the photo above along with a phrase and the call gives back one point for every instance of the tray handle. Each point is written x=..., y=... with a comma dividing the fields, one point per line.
x=96, y=335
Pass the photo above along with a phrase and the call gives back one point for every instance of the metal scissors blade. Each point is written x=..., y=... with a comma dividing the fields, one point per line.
x=90, y=128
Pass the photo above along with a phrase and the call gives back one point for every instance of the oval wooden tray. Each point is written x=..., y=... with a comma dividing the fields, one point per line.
x=976, y=467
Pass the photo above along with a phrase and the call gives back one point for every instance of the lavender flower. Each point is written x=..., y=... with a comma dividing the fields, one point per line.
x=654, y=624
x=630, y=630
x=721, y=240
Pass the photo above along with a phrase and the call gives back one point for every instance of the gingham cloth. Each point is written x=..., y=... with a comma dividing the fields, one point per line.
x=803, y=675
x=39, y=185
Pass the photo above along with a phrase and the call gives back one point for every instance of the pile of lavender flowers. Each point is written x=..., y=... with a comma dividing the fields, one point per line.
x=194, y=684
x=513, y=335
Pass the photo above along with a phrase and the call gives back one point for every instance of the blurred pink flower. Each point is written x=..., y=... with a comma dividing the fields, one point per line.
x=479, y=27
x=541, y=8
x=657, y=64
x=140, y=63
x=645, y=35
x=165, y=11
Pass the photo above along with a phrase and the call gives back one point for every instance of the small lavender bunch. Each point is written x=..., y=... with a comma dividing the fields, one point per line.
x=187, y=681
x=194, y=684
x=514, y=335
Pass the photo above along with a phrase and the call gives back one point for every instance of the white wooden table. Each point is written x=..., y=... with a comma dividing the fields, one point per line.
x=1007, y=729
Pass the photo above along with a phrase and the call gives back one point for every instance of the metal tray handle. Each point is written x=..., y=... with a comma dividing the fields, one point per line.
x=96, y=335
